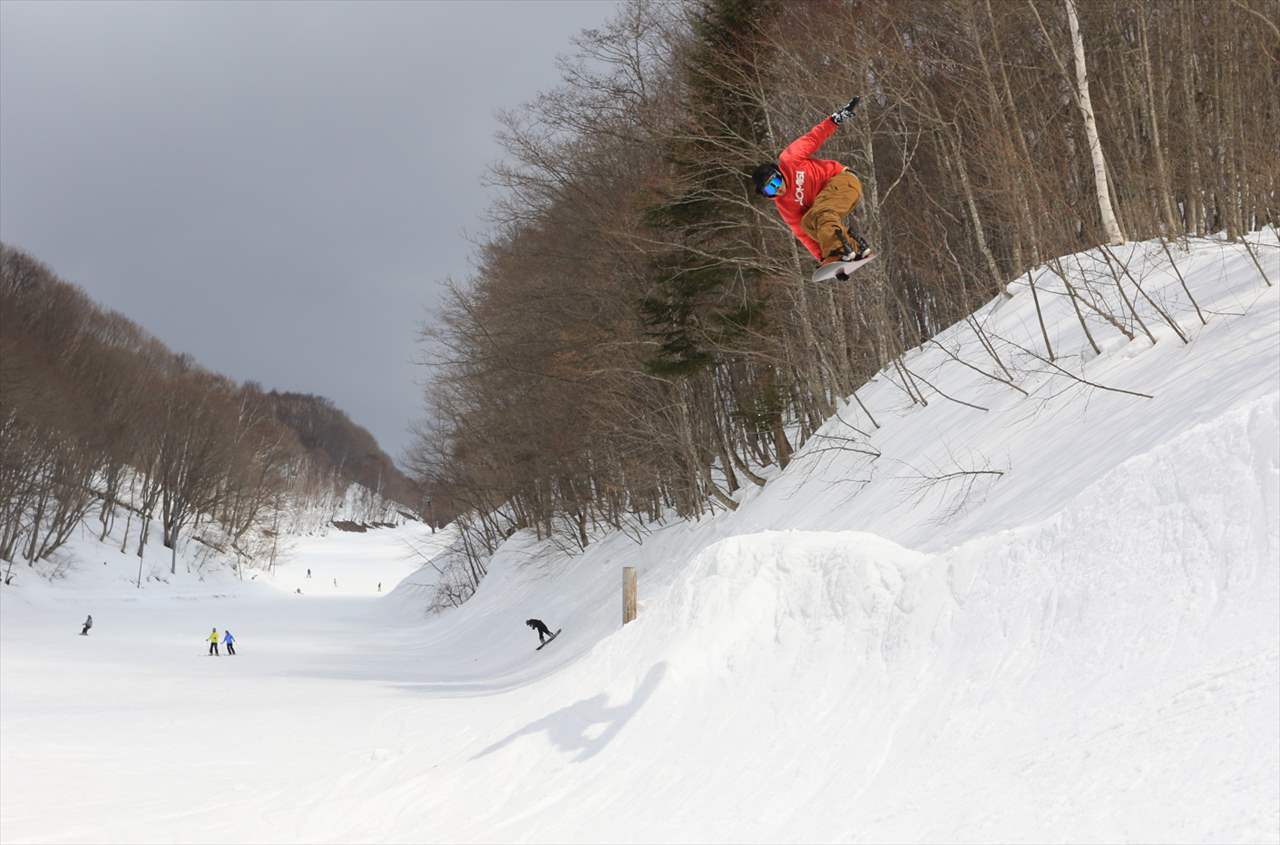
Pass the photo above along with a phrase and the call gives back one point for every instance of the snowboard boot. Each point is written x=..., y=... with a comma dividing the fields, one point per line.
x=835, y=257
x=852, y=252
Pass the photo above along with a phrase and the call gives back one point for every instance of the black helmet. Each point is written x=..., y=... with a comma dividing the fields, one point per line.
x=762, y=174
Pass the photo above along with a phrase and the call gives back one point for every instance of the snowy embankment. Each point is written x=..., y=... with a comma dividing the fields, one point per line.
x=1053, y=616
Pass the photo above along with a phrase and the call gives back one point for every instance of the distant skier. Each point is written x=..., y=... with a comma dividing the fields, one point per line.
x=229, y=641
x=213, y=643
x=379, y=586
x=308, y=573
x=335, y=582
x=543, y=631
x=814, y=195
x=88, y=623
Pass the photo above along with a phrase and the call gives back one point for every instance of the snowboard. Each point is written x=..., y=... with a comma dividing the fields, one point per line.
x=549, y=639
x=840, y=270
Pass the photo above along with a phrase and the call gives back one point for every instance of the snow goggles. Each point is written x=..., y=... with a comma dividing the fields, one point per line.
x=773, y=187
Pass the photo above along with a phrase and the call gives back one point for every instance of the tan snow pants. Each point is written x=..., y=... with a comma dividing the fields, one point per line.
x=824, y=221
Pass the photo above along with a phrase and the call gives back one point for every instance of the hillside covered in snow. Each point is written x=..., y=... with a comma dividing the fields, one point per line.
x=1005, y=594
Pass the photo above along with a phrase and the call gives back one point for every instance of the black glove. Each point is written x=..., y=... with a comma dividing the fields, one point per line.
x=841, y=115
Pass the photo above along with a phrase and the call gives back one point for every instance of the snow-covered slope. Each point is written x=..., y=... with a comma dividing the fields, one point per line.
x=1083, y=647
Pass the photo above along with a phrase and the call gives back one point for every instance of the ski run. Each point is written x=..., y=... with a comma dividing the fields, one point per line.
x=1056, y=619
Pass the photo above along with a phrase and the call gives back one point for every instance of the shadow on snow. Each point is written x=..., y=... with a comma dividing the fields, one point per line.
x=569, y=727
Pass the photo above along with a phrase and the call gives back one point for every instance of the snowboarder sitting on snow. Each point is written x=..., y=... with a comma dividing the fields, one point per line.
x=542, y=629
x=213, y=642
x=229, y=641
x=88, y=623
x=814, y=195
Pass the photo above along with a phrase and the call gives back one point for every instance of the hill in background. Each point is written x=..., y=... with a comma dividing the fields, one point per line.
x=333, y=441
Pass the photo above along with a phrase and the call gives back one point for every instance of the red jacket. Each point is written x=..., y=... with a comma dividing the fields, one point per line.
x=805, y=176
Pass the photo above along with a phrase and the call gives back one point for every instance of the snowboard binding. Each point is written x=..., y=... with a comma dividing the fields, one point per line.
x=844, y=259
x=852, y=253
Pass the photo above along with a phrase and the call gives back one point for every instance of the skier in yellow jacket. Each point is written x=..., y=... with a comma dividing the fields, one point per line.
x=213, y=643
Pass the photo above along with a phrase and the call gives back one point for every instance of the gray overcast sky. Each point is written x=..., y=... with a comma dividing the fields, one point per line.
x=277, y=188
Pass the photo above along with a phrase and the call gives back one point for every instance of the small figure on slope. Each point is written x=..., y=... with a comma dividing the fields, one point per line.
x=544, y=633
x=88, y=623
x=815, y=195
x=213, y=643
x=229, y=640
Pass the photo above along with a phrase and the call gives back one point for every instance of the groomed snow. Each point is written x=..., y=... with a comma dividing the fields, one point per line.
x=1084, y=648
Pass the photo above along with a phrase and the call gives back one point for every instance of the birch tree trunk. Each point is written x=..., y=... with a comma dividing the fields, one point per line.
x=1162, y=173
x=1109, y=224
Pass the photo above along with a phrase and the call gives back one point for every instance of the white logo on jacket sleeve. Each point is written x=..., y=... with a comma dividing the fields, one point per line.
x=800, y=187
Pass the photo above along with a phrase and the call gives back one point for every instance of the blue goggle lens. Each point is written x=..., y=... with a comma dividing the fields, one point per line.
x=773, y=186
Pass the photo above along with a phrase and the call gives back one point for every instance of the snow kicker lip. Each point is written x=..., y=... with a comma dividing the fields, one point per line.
x=751, y=597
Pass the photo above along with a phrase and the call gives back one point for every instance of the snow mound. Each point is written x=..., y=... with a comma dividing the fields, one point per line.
x=1114, y=660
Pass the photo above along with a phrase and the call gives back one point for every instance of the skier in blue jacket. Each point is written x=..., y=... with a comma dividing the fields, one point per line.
x=229, y=641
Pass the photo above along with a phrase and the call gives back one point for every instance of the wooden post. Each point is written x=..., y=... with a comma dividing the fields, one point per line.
x=628, y=594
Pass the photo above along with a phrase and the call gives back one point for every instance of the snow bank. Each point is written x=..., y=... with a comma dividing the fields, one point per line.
x=1108, y=673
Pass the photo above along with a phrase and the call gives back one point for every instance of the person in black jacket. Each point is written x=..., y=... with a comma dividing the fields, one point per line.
x=543, y=631
x=88, y=623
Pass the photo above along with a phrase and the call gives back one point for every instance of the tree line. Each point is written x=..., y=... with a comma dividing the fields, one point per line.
x=100, y=421
x=639, y=334
x=334, y=442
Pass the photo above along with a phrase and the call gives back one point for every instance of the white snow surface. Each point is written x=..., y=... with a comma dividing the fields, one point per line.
x=1083, y=648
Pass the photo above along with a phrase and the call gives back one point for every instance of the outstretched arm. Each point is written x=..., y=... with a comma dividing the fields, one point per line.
x=809, y=143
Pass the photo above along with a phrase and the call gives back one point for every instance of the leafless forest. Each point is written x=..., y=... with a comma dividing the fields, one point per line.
x=100, y=422
x=640, y=336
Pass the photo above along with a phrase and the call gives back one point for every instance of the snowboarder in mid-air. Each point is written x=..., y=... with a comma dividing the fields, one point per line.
x=213, y=643
x=815, y=195
x=544, y=633
x=88, y=623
